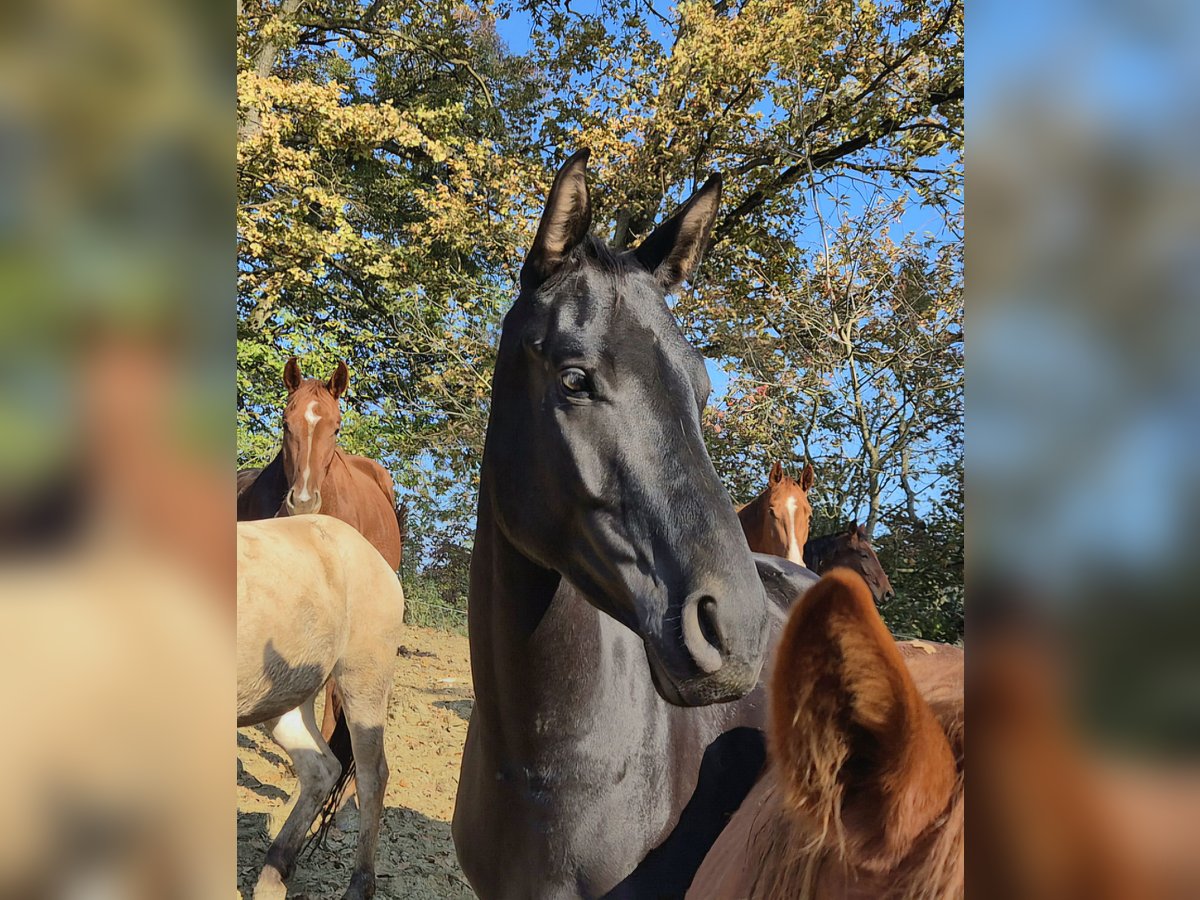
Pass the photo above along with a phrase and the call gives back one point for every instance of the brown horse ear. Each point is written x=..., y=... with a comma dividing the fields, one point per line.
x=852, y=530
x=292, y=376
x=339, y=380
x=776, y=475
x=857, y=746
x=671, y=253
x=565, y=222
x=807, y=477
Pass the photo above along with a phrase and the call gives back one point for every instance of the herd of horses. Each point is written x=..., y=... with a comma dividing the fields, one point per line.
x=673, y=698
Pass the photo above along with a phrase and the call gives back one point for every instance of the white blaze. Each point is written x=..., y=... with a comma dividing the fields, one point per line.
x=311, y=417
x=795, y=551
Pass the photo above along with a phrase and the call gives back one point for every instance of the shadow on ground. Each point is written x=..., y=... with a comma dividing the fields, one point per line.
x=461, y=708
x=415, y=861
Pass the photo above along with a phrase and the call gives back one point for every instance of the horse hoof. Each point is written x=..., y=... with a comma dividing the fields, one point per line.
x=270, y=885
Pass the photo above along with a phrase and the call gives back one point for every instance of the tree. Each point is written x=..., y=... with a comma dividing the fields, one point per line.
x=393, y=157
x=381, y=194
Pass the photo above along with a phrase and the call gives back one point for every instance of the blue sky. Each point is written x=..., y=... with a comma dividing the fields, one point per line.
x=515, y=32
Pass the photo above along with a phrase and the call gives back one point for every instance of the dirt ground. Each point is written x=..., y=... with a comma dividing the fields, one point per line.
x=427, y=725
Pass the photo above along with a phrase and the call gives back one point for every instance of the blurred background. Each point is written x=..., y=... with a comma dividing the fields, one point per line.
x=1083, y=418
x=117, y=331
x=116, y=381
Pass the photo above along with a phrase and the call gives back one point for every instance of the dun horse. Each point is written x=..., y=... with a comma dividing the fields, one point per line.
x=777, y=520
x=315, y=601
x=611, y=599
x=850, y=548
x=864, y=793
x=311, y=474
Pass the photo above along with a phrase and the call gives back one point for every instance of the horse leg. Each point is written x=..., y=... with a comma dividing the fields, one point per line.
x=366, y=712
x=333, y=705
x=297, y=733
x=333, y=729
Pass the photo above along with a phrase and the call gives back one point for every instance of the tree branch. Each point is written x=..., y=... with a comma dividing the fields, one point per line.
x=819, y=160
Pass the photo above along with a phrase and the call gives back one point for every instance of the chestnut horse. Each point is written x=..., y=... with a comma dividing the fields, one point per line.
x=777, y=520
x=863, y=794
x=315, y=601
x=311, y=474
x=850, y=548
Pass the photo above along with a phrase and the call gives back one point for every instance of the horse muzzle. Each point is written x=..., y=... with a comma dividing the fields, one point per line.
x=297, y=507
x=715, y=656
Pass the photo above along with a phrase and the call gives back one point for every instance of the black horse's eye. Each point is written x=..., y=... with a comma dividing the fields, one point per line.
x=574, y=382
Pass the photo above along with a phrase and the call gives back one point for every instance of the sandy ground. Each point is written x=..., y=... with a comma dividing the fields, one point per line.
x=427, y=725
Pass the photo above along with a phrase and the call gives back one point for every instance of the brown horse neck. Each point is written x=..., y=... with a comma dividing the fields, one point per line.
x=750, y=517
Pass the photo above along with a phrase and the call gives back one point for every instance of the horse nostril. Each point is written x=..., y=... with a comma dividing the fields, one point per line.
x=706, y=612
x=702, y=633
x=297, y=507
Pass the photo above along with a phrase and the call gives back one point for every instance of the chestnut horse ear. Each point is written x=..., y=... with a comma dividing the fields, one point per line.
x=291, y=375
x=564, y=224
x=857, y=745
x=339, y=380
x=776, y=475
x=852, y=529
x=671, y=253
x=807, y=477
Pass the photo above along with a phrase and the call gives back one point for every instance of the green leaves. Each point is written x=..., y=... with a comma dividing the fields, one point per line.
x=392, y=161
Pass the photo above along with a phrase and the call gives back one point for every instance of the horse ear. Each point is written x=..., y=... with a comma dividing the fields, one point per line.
x=564, y=224
x=807, y=477
x=776, y=475
x=852, y=530
x=292, y=376
x=671, y=253
x=339, y=380
x=857, y=746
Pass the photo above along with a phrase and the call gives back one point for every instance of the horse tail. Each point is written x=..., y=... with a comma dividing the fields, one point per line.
x=343, y=750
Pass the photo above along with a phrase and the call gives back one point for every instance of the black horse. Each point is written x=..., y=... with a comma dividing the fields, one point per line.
x=618, y=623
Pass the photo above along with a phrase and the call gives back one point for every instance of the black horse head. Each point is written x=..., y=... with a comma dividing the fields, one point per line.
x=595, y=463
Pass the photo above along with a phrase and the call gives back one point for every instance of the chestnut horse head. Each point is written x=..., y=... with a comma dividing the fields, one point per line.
x=777, y=520
x=864, y=794
x=312, y=420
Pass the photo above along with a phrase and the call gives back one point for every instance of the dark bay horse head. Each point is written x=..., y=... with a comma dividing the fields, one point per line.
x=777, y=520
x=595, y=462
x=312, y=420
x=850, y=548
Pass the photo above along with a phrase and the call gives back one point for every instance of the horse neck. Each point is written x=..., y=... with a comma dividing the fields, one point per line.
x=335, y=482
x=537, y=646
x=750, y=517
x=506, y=599
x=264, y=497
